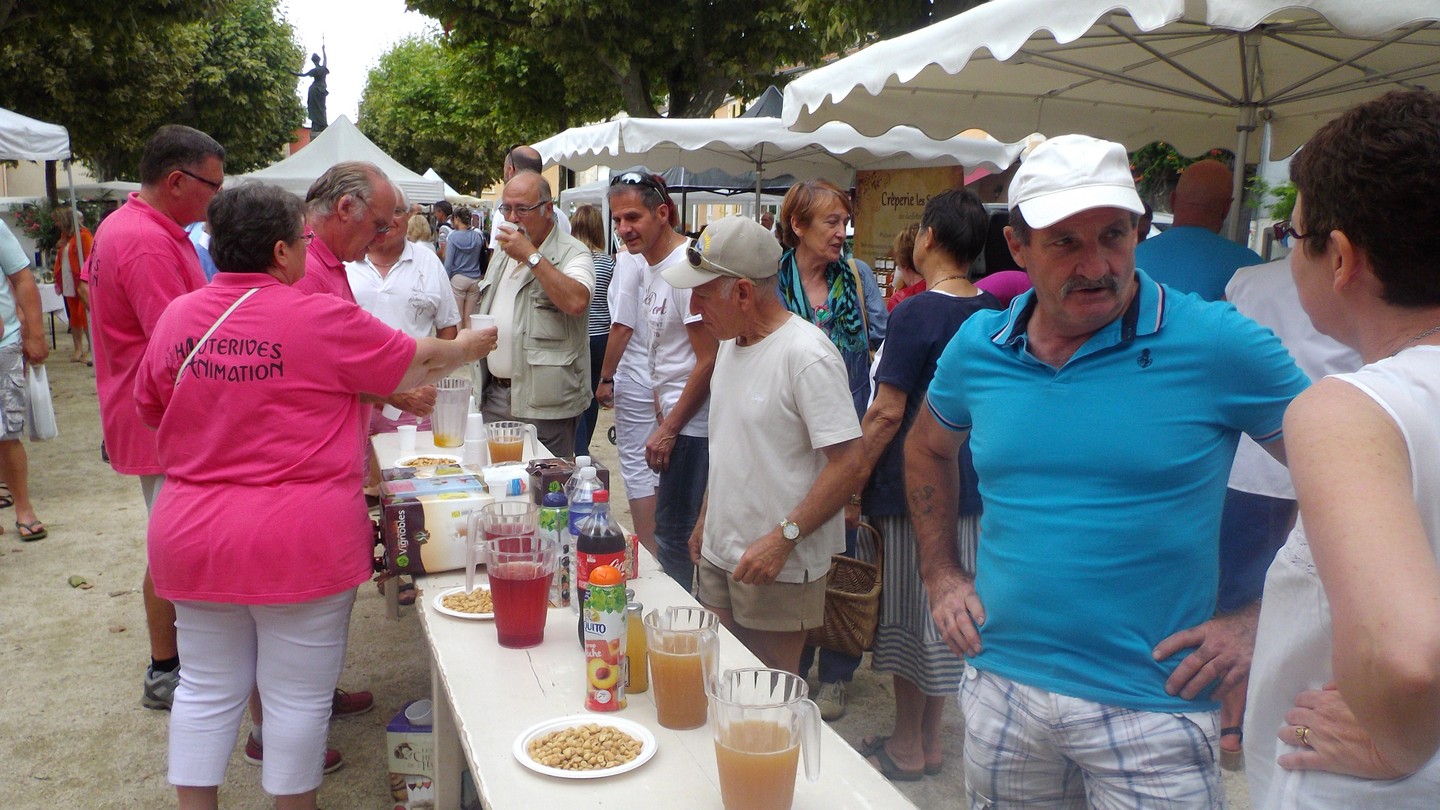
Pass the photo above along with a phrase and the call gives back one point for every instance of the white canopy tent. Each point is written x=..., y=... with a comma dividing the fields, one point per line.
x=450, y=193
x=339, y=142
x=1195, y=73
x=765, y=147
x=23, y=138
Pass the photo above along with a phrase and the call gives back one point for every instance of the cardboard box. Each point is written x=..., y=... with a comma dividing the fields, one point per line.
x=412, y=763
x=409, y=488
x=426, y=533
x=547, y=471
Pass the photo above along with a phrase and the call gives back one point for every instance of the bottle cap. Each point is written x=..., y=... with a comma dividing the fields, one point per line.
x=582, y=461
x=602, y=496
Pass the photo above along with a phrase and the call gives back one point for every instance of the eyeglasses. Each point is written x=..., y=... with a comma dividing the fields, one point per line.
x=692, y=254
x=307, y=238
x=211, y=183
x=518, y=210
x=1282, y=231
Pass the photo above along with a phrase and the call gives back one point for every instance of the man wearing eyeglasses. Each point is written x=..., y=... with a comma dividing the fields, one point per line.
x=143, y=260
x=522, y=158
x=538, y=288
x=681, y=356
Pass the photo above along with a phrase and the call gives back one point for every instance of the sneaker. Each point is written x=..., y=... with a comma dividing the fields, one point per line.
x=348, y=704
x=255, y=754
x=831, y=700
x=160, y=688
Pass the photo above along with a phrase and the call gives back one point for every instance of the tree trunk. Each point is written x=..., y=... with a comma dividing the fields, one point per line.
x=52, y=190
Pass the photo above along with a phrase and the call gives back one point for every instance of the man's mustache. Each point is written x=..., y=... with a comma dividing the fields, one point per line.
x=1080, y=283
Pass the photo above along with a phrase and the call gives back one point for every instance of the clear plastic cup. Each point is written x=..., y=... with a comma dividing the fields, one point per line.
x=452, y=402
x=507, y=441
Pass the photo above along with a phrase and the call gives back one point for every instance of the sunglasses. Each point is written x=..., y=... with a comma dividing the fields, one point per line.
x=639, y=179
x=692, y=254
x=1283, y=231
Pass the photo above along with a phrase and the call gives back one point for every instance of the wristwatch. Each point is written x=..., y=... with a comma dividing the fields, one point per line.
x=534, y=260
x=790, y=530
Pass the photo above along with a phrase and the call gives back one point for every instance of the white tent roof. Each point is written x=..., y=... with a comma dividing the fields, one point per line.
x=339, y=142
x=24, y=138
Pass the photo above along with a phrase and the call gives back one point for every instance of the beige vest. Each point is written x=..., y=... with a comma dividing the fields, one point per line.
x=551, y=350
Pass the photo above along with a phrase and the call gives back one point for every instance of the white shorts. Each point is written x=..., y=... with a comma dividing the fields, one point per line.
x=1030, y=748
x=634, y=422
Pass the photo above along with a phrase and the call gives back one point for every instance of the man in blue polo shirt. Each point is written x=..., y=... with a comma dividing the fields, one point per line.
x=1103, y=411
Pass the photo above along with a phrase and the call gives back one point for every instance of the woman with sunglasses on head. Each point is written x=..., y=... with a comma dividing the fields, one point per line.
x=253, y=533
x=464, y=262
x=822, y=283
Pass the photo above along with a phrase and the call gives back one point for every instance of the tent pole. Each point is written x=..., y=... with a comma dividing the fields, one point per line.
x=75, y=213
x=1250, y=45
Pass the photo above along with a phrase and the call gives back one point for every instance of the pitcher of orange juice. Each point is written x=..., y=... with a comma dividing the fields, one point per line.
x=684, y=646
x=762, y=719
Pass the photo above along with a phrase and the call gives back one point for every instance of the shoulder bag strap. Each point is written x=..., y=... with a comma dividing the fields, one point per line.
x=201, y=342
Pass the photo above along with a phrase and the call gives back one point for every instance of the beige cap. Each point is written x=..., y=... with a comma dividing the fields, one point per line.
x=733, y=247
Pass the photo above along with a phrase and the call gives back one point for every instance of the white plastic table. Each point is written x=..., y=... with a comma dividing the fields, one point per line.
x=485, y=696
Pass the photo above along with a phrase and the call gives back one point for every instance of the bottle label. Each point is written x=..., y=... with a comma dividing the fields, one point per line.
x=604, y=621
x=588, y=563
x=552, y=524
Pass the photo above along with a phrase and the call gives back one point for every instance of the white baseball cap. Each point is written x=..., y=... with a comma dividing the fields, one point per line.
x=1072, y=173
x=733, y=247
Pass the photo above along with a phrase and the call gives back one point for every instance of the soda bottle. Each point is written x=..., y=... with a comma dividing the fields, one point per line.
x=597, y=542
x=554, y=522
x=603, y=633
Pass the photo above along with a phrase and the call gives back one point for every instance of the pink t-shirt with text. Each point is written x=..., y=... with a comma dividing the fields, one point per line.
x=262, y=500
x=141, y=261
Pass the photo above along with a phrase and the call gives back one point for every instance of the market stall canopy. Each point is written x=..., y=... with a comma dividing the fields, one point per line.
x=23, y=138
x=1187, y=72
x=594, y=194
x=339, y=142
x=763, y=146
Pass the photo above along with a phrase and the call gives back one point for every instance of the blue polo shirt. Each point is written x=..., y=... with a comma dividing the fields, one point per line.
x=1194, y=260
x=1102, y=483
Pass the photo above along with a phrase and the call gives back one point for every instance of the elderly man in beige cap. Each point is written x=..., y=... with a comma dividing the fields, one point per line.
x=1103, y=413
x=784, y=454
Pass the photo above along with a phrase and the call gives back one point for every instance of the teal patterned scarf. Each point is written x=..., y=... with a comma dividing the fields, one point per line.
x=840, y=316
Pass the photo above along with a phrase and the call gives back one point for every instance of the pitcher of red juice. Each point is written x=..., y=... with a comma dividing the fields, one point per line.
x=762, y=719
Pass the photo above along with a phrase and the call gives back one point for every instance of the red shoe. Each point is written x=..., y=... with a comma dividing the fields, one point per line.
x=255, y=754
x=348, y=704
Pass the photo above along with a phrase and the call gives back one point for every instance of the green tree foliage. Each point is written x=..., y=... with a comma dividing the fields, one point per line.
x=428, y=103
x=688, y=55
x=112, y=72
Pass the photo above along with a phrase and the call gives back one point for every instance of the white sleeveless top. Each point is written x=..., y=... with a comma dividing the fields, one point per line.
x=1294, y=644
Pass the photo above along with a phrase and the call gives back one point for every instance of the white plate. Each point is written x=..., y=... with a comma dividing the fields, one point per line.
x=405, y=461
x=439, y=603
x=634, y=729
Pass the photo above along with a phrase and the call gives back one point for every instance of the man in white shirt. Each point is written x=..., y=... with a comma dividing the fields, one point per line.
x=681, y=355
x=538, y=288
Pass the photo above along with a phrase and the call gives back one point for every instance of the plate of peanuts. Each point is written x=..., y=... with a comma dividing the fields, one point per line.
x=585, y=746
x=456, y=603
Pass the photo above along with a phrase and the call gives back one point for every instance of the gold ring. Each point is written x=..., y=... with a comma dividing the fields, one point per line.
x=1302, y=733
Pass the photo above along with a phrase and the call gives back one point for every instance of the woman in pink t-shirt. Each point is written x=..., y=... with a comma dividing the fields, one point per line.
x=257, y=535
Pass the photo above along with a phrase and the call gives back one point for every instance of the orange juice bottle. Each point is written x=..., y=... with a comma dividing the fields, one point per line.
x=603, y=621
x=637, y=665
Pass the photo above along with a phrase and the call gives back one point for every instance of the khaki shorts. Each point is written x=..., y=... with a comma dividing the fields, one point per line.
x=779, y=607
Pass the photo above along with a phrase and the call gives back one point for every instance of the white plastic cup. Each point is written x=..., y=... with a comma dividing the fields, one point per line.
x=420, y=712
x=475, y=427
x=482, y=321
x=407, y=439
x=474, y=452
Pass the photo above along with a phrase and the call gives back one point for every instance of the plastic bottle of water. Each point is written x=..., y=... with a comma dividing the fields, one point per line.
x=580, y=500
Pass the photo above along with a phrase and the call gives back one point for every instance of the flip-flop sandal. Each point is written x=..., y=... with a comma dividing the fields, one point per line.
x=5, y=500
x=1233, y=760
x=874, y=749
x=406, y=594
x=29, y=532
x=869, y=746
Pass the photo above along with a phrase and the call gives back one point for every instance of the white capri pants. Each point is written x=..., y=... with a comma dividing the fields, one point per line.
x=293, y=652
x=634, y=422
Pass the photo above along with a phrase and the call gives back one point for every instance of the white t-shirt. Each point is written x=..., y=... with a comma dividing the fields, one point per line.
x=414, y=297
x=1294, y=644
x=1266, y=294
x=773, y=406
x=513, y=276
x=626, y=289
x=671, y=357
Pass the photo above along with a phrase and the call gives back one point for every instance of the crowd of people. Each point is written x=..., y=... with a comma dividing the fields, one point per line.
x=1073, y=544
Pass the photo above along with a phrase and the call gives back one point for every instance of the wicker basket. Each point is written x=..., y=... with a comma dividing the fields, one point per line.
x=852, y=601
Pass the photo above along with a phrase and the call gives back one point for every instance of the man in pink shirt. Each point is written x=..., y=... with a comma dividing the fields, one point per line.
x=142, y=260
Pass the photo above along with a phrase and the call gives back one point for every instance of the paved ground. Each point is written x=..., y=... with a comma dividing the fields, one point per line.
x=72, y=732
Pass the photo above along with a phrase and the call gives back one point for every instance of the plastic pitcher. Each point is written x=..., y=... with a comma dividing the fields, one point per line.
x=498, y=519
x=762, y=720
x=684, y=654
x=452, y=405
x=520, y=567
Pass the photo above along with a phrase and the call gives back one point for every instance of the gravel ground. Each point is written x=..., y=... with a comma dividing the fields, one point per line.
x=72, y=731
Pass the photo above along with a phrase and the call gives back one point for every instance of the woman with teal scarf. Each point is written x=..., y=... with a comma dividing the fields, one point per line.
x=821, y=283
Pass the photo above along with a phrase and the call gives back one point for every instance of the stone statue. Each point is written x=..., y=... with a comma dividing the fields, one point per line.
x=315, y=104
